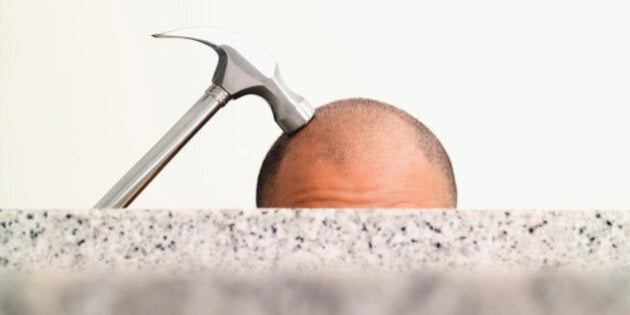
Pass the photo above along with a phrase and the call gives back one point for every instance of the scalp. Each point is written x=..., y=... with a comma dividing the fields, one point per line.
x=353, y=131
x=356, y=132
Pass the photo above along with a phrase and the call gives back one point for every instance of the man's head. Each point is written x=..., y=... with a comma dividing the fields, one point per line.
x=358, y=153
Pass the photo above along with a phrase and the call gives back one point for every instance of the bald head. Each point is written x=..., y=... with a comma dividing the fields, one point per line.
x=358, y=153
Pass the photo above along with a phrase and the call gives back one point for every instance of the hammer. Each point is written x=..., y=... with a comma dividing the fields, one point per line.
x=243, y=68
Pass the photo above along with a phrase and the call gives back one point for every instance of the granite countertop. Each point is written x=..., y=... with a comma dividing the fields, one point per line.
x=367, y=294
x=312, y=239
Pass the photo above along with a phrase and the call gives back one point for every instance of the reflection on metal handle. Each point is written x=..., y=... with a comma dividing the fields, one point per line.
x=141, y=174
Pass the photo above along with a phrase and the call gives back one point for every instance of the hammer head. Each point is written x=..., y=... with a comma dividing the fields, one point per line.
x=245, y=68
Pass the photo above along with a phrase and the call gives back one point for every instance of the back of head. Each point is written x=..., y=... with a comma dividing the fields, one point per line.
x=359, y=152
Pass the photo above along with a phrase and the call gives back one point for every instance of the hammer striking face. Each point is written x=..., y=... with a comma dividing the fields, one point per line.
x=243, y=68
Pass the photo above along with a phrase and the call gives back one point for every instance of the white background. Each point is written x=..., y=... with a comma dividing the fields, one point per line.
x=530, y=98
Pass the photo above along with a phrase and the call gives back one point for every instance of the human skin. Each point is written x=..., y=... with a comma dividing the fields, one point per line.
x=375, y=171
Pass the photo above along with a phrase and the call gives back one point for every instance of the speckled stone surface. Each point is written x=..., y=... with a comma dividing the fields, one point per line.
x=317, y=240
x=295, y=294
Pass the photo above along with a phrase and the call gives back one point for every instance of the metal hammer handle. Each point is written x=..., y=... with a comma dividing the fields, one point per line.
x=141, y=174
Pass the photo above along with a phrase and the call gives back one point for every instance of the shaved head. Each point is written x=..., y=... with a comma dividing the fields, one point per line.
x=358, y=153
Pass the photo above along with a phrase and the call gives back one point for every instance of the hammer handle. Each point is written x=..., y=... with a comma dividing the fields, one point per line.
x=141, y=174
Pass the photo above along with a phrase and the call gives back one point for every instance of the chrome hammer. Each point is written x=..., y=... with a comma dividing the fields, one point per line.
x=243, y=68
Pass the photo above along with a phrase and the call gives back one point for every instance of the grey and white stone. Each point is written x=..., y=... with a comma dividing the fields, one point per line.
x=312, y=240
x=295, y=294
